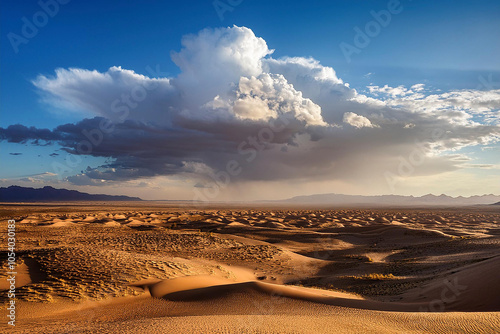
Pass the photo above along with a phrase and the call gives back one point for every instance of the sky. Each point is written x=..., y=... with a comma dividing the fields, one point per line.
x=250, y=100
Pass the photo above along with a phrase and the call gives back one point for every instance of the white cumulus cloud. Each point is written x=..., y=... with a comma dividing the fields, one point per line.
x=357, y=121
x=229, y=89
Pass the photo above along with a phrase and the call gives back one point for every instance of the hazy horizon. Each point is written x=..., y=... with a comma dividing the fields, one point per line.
x=308, y=199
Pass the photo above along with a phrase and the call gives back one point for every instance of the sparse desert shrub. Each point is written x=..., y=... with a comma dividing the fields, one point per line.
x=374, y=277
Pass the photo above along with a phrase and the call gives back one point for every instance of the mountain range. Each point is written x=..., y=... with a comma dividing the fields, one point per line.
x=390, y=200
x=24, y=194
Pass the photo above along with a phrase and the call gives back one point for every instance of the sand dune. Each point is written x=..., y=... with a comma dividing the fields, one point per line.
x=209, y=287
x=184, y=270
x=470, y=288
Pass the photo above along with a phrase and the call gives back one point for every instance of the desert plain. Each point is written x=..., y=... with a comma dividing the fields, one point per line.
x=135, y=267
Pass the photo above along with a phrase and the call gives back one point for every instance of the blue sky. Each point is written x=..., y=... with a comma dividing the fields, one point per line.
x=447, y=45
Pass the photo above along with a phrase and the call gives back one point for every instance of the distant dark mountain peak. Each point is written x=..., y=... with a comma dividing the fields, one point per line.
x=48, y=194
x=391, y=200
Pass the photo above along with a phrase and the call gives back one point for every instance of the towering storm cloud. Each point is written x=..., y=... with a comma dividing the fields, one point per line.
x=288, y=118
